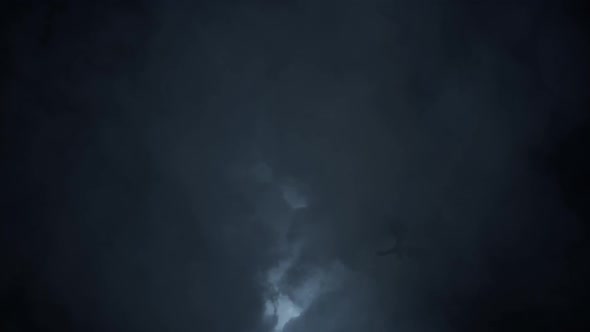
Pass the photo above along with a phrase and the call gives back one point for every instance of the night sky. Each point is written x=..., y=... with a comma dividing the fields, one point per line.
x=294, y=166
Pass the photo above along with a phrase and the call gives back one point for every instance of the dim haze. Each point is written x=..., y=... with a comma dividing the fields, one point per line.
x=294, y=166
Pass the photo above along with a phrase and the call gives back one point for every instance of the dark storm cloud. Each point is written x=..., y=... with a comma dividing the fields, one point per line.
x=237, y=166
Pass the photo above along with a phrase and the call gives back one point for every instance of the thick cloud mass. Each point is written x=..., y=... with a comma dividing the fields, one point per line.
x=291, y=166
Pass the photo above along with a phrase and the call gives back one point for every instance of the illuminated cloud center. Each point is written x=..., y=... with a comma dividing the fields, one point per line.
x=282, y=310
x=282, y=306
x=285, y=306
x=286, y=310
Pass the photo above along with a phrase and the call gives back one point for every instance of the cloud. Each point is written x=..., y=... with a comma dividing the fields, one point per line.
x=227, y=166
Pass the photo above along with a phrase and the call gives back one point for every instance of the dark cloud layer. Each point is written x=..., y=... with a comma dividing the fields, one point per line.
x=237, y=166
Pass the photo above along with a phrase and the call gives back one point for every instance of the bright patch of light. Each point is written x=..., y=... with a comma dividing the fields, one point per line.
x=280, y=306
x=282, y=309
x=285, y=311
